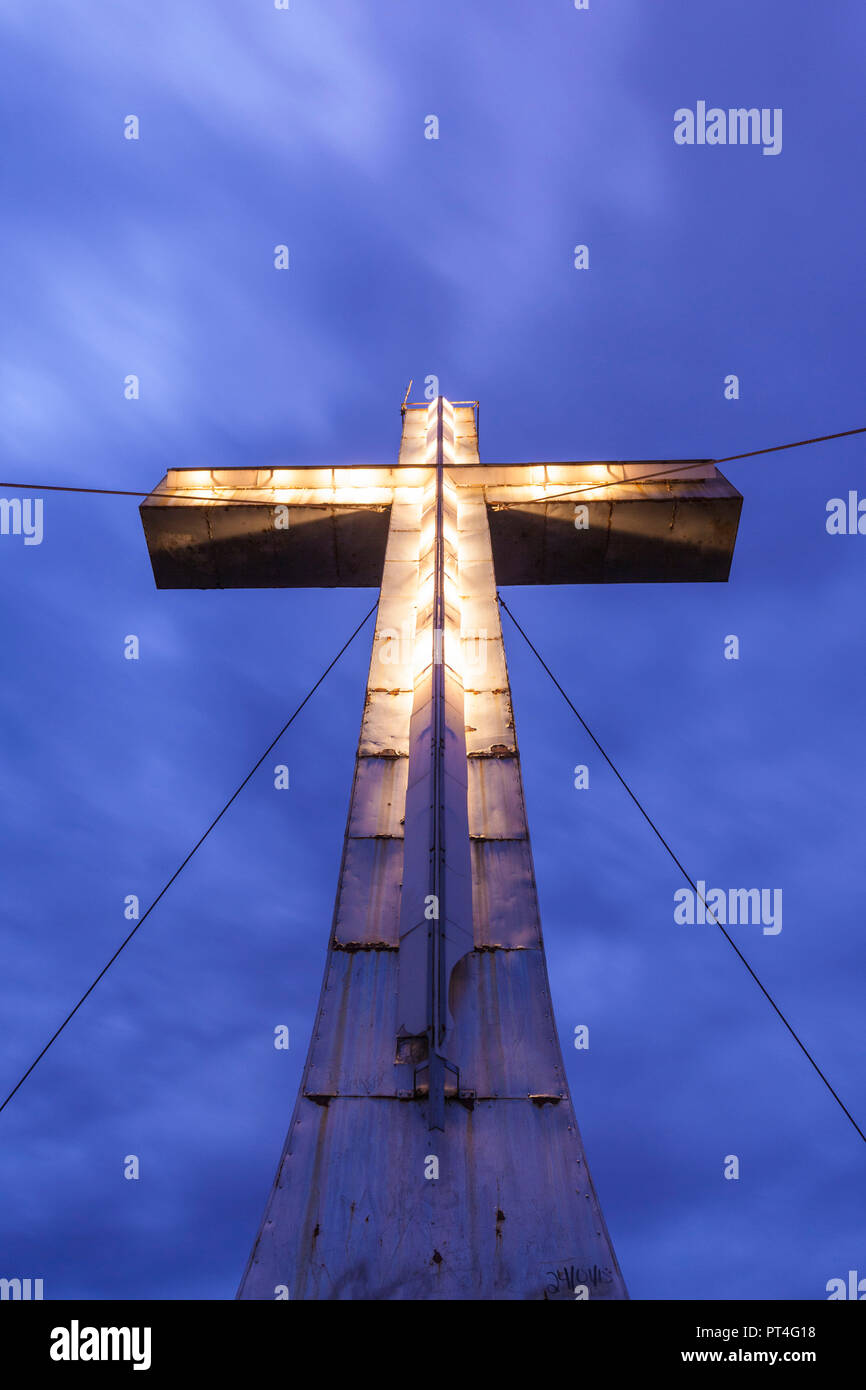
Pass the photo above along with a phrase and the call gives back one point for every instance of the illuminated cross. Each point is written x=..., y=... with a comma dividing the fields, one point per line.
x=434, y=1151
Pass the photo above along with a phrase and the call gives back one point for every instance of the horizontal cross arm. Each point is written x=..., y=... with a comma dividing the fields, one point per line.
x=664, y=520
x=270, y=528
x=613, y=523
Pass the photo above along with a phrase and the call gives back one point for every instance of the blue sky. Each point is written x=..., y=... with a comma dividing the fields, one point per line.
x=412, y=257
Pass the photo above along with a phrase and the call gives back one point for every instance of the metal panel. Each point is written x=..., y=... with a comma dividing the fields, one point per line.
x=368, y=902
x=512, y=1215
x=489, y=722
x=505, y=905
x=504, y=1033
x=385, y=728
x=392, y=664
x=378, y=796
x=496, y=810
x=352, y=1052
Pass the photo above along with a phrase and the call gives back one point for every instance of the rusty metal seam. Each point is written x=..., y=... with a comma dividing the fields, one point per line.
x=388, y=753
x=497, y=752
x=377, y=836
x=324, y=1098
x=498, y=839
x=351, y=947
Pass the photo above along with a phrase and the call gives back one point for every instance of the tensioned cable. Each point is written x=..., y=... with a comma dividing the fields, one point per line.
x=668, y=472
x=651, y=823
x=588, y=487
x=171, y=496
x=195, y=847
x=774, y=449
